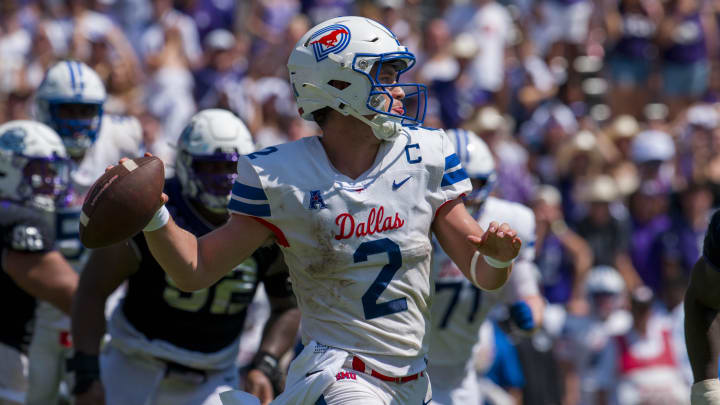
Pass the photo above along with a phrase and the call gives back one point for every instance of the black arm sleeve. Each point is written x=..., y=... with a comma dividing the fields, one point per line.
x=273, y=272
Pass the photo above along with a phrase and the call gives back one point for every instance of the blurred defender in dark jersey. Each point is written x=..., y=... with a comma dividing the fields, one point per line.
x=702, y=319
x=34, y=172
x=70, y=100
x=168, y=346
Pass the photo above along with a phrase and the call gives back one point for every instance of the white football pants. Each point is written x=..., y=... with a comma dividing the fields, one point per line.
x=13, y=376
x=143, y=381
x=48, y=354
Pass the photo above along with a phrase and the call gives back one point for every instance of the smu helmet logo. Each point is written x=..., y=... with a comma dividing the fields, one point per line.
x=13, y=139
x=316, y=200
x=331, y=39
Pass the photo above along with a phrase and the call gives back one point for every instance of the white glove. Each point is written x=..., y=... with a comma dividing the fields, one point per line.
x=706, y=392
x=235, y=397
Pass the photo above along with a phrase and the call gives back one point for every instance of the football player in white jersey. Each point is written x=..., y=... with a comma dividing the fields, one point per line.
x=459, y=308
x=353, y=211
x=70, y=101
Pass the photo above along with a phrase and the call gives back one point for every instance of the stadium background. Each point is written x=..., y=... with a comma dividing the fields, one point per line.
x=602, y=115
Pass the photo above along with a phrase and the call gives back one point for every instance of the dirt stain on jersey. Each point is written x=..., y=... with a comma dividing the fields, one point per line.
x=327, y=261
x=346, y=283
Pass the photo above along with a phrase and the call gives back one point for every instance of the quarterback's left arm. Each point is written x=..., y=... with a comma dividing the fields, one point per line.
x=264, y=379
x=461, y=237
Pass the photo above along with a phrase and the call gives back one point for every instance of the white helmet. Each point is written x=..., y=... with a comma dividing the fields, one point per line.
x=331, y=67
x=604, y=279
x=208, y=151
x=71, y=82
x=33, y=164
x=477, y=161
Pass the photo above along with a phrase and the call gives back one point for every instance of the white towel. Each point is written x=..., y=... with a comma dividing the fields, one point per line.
x=310, y=374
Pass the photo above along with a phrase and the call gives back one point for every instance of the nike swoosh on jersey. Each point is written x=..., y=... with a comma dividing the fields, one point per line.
x=396, y=186
x=312, y=372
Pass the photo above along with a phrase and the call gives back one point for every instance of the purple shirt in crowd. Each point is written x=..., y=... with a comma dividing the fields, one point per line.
x=683, y=244
x=645, y=249
x=555, y=269
x=688, y=41
x=637, y=34
x=213, y=14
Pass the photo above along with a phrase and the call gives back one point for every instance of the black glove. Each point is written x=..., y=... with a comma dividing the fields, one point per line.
x=87, y=371
x=270, y=366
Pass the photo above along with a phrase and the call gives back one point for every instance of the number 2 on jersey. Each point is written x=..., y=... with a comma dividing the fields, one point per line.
x=372, y=308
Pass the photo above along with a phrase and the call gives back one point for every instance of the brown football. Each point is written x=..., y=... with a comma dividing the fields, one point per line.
x=122, y=201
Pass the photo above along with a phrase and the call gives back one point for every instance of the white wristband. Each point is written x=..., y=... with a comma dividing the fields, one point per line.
x=160, y=219
x=706, y=392
x=498, y=264
x=473, y=270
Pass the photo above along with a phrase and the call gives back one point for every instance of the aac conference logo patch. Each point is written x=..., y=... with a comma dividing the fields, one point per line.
x=331, y=39
x=316, y=200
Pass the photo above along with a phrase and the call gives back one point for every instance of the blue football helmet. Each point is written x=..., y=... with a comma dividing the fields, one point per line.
x=70, y=101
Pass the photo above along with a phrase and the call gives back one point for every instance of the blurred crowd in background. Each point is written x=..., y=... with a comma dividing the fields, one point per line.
x=603, y=116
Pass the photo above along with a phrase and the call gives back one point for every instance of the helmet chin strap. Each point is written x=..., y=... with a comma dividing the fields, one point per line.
x=383, y=127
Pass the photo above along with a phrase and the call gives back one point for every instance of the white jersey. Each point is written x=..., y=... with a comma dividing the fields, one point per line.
x=459, y=308
x=358, y=250
x=119, y=136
